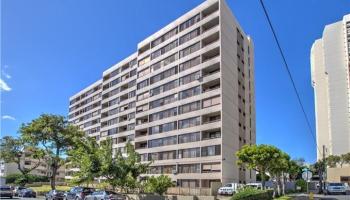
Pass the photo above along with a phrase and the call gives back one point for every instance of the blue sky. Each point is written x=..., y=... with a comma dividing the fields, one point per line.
x=52, y=49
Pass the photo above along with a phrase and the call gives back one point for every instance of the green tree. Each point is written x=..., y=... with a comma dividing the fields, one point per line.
x=121, y=170
x=86, y=156
x=14, y=150
x=319, y=168
x=278, y=167
x=257, y=157
x=344, y=158
x=159, y=184
x=56, y=135
x=333, y=160
x=294, y=169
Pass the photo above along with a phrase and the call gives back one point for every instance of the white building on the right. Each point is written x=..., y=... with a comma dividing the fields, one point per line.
x=330, y=69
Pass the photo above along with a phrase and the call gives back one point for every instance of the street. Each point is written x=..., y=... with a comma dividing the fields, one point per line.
x=305, y=197
x=19, y=198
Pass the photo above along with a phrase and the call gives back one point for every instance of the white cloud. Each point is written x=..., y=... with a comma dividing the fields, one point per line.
x=8, y=117
x=4, y=86
x=8, y=76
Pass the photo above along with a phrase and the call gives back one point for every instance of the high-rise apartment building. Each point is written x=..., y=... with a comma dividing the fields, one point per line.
x=330, y=69
x=185, y=99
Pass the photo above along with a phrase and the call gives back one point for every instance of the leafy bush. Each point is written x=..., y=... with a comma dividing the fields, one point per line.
x=252, y=194
x=302, y=184
x=158, y=184
x=24, y=179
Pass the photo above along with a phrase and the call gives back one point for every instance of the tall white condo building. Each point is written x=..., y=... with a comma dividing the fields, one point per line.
x=330, y=68
x=185, y=99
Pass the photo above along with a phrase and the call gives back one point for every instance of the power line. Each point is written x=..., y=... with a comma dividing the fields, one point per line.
x=289, y=74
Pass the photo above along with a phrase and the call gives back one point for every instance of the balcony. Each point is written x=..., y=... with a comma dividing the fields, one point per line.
x=210, y=54
x=210, y=39
x=211, y=85
x=210, y=10
x=141, y=133
x=212, y=69
x=210, y=24
x=211, y=134
x=142, y=120
x=211, y=118
x=141, y=145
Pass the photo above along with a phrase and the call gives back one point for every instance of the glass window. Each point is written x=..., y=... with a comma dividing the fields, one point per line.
x=189, y=153
x=189, y=22
x=189, y=107
x=142, y=84
x=162, y=142
x=189, y=36
x=163, y=88
x=189, y=137
x=163, y=128
x=164, y=37
x=188, y=50
x=189, y=64
x=163, y=101
x=186, y=123
x=189, y=92
x=163, y=114
x=143, y=96
x=144, y=60
x=189, y=168
x=189, y=78
x=211, y=150
x=144, y=72
x=211, y=102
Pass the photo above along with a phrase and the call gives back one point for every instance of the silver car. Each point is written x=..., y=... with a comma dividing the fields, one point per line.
x=105, y=195
x=335, y=188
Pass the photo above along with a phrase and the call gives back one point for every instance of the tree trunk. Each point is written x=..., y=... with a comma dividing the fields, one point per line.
x=262, y=179
x=53, y=178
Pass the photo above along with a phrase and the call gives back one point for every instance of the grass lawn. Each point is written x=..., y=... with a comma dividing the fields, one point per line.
x=47, y=188
x=285, y=198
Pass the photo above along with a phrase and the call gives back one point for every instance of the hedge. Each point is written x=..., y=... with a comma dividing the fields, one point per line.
x=253, y=194
x=12, y=178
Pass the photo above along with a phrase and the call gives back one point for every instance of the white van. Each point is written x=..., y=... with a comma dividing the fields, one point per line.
x=229, y=188
x=254, y=185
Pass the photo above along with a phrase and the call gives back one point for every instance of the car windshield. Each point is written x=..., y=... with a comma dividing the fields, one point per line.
x=228, y=185
x=110, y=192
x=5, y=188
x=336, y=184
x=88, y=189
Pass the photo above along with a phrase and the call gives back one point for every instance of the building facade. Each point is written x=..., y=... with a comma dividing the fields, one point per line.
x=330, y=79
x=330, y=68
x=185, y=98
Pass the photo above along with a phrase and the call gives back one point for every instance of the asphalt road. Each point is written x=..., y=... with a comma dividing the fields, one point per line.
x=19, y=198
x=323, y=197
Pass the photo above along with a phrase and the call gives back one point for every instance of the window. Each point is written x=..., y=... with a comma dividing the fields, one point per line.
x=162, y=142
x=142, y=108
x=211, y=167
x=211, y=150
x=163, y=101
x=164, y=62
x=142, y=96
x=163, y=75
x=187, y=123
x=163, y=114
x=189, y=36
x=189, y=92
x=189, y=22
x=163, y=38
x=189, y=78
x=211, y=135
x=189, y=137
x=163, y=88
x=189, y=107
x=188, y=50
x=164, y=49
x=163, y=128
x=211, y=102
x=191, y=168
x=112, y=131
x=142, y=84
x=144, y=60
x=144, y=72
x=189, y=153
x=189, y=64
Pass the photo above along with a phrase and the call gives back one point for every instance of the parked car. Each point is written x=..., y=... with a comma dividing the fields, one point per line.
x=335, y=188
x=55, y=195
x=229, y=188
x=79, y=193
x=17, y=189
x=105, y=195
x=27, y=193
x=5, y=191
x=254, y=185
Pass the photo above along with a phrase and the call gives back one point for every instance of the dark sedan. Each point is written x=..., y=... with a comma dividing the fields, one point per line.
x=55, y=195
x=27, y=193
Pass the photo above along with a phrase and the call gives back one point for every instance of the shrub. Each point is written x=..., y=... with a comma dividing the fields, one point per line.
x=159, y=184
x=302, y=184
x=252, y=194
x=22, y=179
